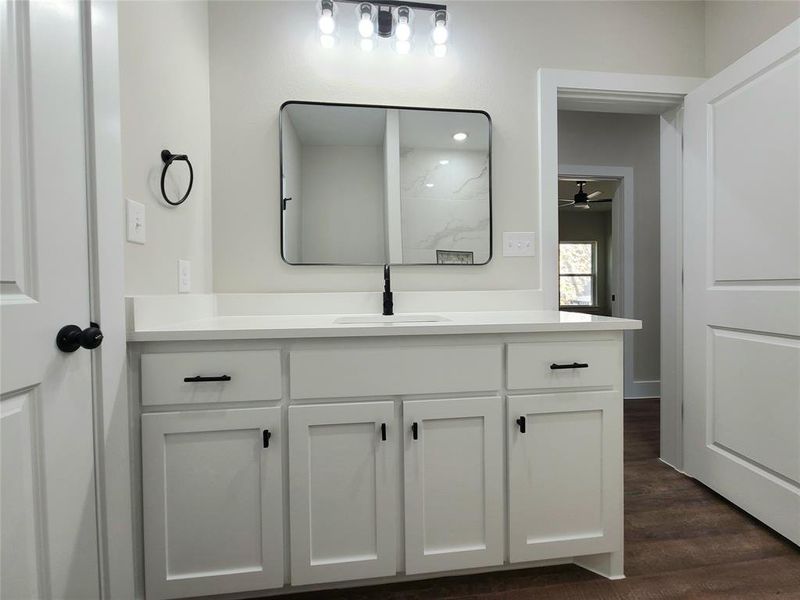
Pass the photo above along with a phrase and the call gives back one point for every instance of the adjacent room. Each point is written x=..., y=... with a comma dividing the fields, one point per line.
x=347, y=299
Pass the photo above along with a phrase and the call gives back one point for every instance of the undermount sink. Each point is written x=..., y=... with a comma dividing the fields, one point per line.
x=389, y=320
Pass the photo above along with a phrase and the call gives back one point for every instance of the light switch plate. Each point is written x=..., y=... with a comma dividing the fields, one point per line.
x=519, y=243
x=184, y=276
x=136, y=222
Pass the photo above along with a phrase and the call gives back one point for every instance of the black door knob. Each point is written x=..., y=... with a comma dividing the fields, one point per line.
x=72, y=337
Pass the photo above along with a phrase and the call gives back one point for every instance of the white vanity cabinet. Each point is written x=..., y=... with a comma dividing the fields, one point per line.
x=388, y=457
x=342, y=494
x=564, y=474
x=212, y=501
x=453, y=463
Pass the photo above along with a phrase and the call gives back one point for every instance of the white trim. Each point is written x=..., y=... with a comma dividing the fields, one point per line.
x=671, y=211
x=599, y=91
x=641, y=389
x=623, y=247
x=109, y=364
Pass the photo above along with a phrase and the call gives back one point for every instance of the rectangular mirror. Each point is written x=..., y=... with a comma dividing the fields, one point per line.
x=374, y=185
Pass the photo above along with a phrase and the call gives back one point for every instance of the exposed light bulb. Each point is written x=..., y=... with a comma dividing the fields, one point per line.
x=440, y=34
x=367, y=44
x=402, y=46
x=326, y=22
x=327, y=41
x=460, y=136
x=402, y=31
x=440, y=50
x=365, y=26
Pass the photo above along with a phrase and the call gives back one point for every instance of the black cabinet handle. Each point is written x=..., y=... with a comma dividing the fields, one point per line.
x=415, y=431
x=266, y=435
x=521, y=422
x=383, y=432
x=201, y=379
x=574, y=365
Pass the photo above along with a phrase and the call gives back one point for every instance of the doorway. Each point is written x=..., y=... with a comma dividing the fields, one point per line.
x=623, y=94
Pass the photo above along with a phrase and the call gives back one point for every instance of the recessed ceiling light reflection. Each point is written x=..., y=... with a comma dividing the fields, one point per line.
x=429, y=185
x=444, y=162
x=460, y=136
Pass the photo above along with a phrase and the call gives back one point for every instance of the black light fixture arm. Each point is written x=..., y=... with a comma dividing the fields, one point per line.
x=395, y=3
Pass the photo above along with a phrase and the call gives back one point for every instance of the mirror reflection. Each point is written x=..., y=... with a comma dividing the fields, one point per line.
x=366, y=185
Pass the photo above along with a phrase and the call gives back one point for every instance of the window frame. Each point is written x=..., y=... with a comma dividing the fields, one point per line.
x=594, y=244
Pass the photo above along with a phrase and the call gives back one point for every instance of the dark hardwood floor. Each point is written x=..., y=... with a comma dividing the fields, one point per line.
x=681, y=541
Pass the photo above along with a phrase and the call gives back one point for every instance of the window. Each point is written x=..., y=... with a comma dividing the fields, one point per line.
x=577, y=264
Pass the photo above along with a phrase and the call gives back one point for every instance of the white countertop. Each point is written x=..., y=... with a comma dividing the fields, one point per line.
x=326, y=326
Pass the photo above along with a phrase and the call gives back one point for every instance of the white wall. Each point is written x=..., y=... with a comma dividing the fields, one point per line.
x=343, y=204
x=734, y=27
x=164, y=96
x=586, y=138
x=263, y=53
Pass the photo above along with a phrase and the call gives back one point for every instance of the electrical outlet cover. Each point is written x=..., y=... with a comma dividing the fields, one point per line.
x=184, y=276
x=136, y=222
x=519, y=243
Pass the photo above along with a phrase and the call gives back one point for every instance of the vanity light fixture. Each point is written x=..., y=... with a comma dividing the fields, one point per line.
x=460, y=136
x=326, y=22
x=387, y=18
x=366, y=27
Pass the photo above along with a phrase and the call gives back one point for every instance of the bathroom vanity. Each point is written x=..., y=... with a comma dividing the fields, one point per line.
x=318, y=451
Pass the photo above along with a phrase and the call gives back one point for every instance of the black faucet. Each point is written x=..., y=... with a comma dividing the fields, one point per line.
x=388, y=302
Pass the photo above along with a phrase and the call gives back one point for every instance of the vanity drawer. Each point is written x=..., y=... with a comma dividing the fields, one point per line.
x=383, y=371
x=564, y=364
x=200, y=377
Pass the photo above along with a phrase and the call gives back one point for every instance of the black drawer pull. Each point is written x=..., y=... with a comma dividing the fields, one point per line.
x=556, y=366
x=267, y=435
x=415, y=431
x=201, y=379
x=521, y=422
x=383, y=432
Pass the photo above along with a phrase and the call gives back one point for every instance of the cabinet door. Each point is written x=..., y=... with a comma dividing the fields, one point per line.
x=565, y=474
x=342, y=486
x=453, y=484
x=213, y=502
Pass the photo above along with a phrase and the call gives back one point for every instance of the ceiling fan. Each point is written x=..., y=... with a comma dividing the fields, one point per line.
x=581, y=199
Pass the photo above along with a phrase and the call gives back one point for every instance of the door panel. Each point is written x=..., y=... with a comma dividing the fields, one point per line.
x=46, y=395
x=453, y=484
x=213, y=502
x=742, y=282
x=565, y=475
x=342, y=487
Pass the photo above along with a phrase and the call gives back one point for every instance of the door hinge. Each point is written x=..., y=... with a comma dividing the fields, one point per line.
x=266, y=435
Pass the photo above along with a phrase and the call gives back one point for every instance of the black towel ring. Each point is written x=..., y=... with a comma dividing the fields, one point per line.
x=168, y=158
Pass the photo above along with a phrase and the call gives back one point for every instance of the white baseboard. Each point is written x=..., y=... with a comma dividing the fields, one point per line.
x=644, y=389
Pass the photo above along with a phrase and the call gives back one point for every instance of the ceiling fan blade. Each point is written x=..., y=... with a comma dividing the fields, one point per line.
x=594, y=194
x=564, y=202
x=602, y=200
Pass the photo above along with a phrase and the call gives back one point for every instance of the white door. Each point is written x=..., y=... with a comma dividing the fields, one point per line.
x=213, y=501
x=342, y=491
x=49, y=542
x=564, y=474
x=453, y=483
x=742, y=283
